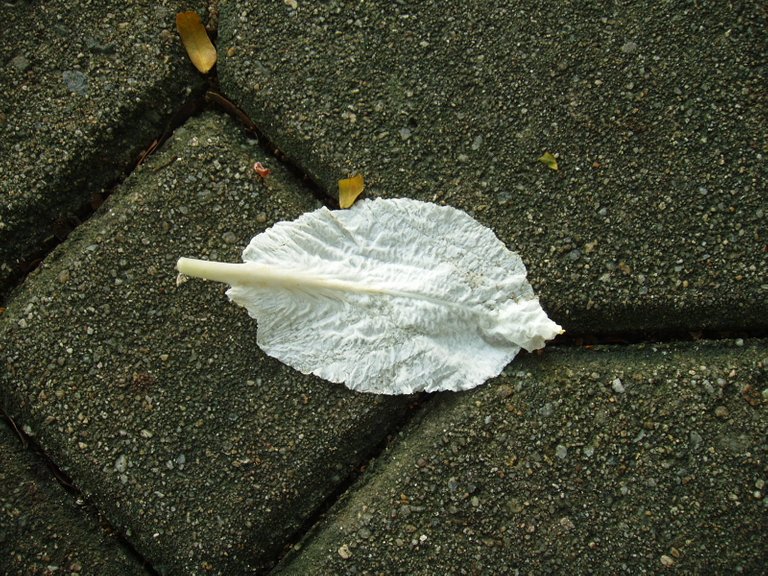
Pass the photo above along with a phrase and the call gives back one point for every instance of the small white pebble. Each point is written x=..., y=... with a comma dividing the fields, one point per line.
x=345, y=552
x=121, y=463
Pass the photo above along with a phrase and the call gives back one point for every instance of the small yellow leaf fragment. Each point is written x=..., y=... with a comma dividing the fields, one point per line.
x=350, y=189
x=549, y=161
x=201, y=51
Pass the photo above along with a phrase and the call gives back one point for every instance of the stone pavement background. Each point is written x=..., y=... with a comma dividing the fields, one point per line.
x=44, y=529
x=656, y=220
x=193, y=453
x=193, y=431
x=84, y=91
x=599, y=461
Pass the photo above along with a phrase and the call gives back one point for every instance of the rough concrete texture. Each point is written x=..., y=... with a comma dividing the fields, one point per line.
x=84, y=90
x=43, y=530
x=656, y=218
x=156, y=400
x=621, y=460
x=210, y=458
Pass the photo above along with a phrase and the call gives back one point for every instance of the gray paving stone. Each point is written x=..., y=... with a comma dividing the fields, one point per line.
x=211, y=458
x=85, y=88
x=42, y=529
x=656, y=218
x=156, y=400
x=618, y=460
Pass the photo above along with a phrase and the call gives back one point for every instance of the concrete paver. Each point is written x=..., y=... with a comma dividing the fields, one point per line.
x=656, y=218
x=156, y=400
x=209, y=457
x=43, y=531
x=622, y=460
x=84, y=90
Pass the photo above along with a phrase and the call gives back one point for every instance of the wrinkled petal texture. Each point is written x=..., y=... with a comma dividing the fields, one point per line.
x=431, y=300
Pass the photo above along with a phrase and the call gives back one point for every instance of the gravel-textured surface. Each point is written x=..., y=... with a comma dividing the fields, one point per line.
x=211, y=458
x=43, y=530
x=656, y=218
x=85, y=88
x=623, y=460
x=154, y=398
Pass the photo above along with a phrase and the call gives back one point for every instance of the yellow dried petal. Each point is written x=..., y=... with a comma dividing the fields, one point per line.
x=201, y=51
x=549, y=161
x=350, y=189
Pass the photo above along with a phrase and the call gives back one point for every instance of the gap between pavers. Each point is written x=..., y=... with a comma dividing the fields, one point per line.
x=155, y=399
x=655, y=221
x=618, y=460
x=42, y=530
x=86, y=87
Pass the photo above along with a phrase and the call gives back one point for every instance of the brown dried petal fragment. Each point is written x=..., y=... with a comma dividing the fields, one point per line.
x=201, y=51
